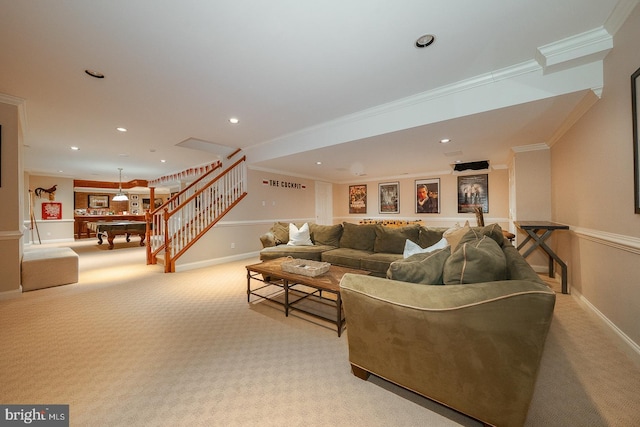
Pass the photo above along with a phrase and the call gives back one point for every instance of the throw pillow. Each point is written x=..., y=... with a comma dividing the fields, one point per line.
x=281, y=233
x=493, y=230
x=455, y=234
x=475, y=262
x=392, y=240
x=299, y=236
x=420, y=268
x=411, y=248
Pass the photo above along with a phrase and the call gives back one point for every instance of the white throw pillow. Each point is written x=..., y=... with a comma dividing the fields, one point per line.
x=299, y=237
x=411, y=248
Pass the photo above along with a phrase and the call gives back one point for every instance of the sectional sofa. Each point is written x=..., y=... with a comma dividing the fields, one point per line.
x=463, y=325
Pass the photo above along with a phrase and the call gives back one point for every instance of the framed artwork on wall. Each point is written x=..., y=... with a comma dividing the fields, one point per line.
x=389, y=197
x=473, y=191
x=358, y=199
x=51, y=210
x=427, y=195
x=635, y=96
x=98, y=202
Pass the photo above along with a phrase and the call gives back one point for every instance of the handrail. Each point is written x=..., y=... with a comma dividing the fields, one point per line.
x=174, y=228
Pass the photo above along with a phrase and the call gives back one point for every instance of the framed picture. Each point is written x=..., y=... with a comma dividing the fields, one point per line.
x=146, y=204
x=473, y=191
x=134, y=204
x=134, y=197
x=358, y=199
x=635, y=96
x=52, y=210
x=98, y=202
x=428, y=195
x=389, y=197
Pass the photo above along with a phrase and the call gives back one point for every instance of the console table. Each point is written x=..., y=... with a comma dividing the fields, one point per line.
x=539, y=231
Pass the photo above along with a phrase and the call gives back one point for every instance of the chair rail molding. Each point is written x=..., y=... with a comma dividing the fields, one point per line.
x=618, y=241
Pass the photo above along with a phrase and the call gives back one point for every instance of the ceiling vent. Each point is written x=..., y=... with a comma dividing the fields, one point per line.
x=483, y=164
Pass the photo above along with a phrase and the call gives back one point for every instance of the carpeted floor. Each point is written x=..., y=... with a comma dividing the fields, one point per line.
x=131, y=346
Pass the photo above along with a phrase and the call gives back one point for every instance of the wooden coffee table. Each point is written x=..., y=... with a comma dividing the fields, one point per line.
x=278, y=285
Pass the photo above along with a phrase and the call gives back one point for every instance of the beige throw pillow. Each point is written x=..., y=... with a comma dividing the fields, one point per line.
x=455, y=234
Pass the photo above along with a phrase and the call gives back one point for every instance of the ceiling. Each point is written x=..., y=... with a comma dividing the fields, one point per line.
x=339, y=82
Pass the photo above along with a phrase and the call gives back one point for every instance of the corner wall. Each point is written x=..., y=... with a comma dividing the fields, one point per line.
x=592, y=191
x=11, y=195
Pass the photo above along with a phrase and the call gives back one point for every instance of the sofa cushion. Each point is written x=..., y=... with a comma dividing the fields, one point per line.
x=378, y=263
x=326, y=234
x=392, y=240
x=346, y=257
x=300, y=252
x=425, y=268
x=360, y=237
x=299, y=236
x=429, y=236
x=475, y=261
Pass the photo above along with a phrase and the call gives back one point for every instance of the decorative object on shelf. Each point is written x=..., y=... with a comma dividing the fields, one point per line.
x=51, y=210
x=98, y=202
x=635, y=95
x=358, y=199
x=305, y=267
x=50, y=191
x=389, y=197
x=428, y=195
x=473, y=191
x=120, y=197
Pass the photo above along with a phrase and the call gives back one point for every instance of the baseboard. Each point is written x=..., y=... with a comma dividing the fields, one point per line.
x=630, y=347
x=14, y=293
x=215, y=261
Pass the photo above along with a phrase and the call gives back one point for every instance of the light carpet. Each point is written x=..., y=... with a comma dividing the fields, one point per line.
x=131, y=346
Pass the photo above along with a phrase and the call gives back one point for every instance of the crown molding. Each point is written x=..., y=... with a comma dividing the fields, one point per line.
x=22, y=109
x=620, y=14
x=530, y=147
x=589, y=99
x=586, y=47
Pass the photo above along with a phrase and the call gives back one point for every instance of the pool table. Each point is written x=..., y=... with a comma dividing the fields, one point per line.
x=115, y=228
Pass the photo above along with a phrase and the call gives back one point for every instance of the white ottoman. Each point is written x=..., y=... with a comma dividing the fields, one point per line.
x=44, y=268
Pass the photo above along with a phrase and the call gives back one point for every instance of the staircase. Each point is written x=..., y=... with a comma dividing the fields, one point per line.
x=176, y=225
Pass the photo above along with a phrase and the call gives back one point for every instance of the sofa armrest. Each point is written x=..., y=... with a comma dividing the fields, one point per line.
x=475, y=348
x=268, y=239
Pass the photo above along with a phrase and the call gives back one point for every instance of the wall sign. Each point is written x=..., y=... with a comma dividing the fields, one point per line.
x=52, y=210
x=283, y=184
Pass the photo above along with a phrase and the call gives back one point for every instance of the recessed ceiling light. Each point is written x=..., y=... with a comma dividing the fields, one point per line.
x=75, y=148
x=234, y=120
x=121, y=129
x=163, y=161
x=444, y=140
x=318, y=163
x=96, y=74
x=424, y=41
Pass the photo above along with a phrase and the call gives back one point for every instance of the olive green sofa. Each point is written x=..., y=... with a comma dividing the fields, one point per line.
x=371, y=247
x=474, y=347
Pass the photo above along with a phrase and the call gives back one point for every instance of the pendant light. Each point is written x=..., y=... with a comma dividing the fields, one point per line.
x=120, y=197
